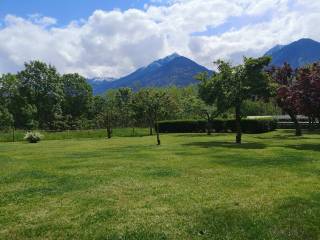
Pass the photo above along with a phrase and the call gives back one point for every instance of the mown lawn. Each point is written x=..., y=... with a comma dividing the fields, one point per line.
x=191, y=187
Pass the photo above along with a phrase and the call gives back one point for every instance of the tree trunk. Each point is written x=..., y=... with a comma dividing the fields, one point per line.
x=238, y=124
x=109, y=130
x=13, y=134
x=158, y=132
x=158, y=137
x=312, y=124
x=209, y=125
x=296, y=124
x=150, y=130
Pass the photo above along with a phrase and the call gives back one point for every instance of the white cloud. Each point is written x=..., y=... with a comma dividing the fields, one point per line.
x=116, y=42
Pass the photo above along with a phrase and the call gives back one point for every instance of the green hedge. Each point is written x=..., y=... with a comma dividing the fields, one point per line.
x=182, y=126
x=218, y=125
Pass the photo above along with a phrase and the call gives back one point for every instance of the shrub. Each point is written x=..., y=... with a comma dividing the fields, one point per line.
x=33, y=137
x=218, y=125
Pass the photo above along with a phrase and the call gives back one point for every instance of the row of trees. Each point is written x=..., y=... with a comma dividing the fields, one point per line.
x=40, y=97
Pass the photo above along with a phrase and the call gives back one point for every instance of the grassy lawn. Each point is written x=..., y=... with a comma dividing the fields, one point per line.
x=191, y=187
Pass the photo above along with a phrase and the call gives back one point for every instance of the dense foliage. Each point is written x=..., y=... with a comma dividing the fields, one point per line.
x=298, y=92
x=232, y=86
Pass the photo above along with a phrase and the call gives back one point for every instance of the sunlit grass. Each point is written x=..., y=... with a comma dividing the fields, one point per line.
x=191, y=187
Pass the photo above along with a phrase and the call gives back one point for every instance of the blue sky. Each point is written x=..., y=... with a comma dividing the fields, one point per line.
x=64, y=10
x=111, y=38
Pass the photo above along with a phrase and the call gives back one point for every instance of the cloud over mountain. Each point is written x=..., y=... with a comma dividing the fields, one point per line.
x=114, y=43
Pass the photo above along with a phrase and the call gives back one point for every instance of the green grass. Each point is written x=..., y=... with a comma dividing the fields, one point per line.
x=191, y=187
x=7, y=136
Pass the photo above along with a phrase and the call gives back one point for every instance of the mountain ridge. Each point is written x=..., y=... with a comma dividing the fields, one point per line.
x=171, y=70
x=180, y=71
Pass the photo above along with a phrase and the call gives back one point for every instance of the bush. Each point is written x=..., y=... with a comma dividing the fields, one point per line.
x=218, y=125
x=33, y=137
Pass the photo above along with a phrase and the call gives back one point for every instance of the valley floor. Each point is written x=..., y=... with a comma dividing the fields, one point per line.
x=191, y=187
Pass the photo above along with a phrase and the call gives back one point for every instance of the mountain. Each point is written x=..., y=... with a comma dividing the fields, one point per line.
x=99, y=84
x=171, y=70
x=297, y=54
x=274, y=50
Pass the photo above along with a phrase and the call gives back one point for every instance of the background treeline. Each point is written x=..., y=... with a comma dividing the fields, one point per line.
x=38, y=97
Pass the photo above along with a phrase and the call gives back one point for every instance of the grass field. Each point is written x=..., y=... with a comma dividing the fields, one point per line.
x=192, y=187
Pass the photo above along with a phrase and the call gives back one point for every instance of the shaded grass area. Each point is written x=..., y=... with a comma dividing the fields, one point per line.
x=7, y=136
x=192, y=187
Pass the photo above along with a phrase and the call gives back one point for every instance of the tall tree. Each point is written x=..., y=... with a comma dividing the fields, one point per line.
x=23, y=113
x=287, y=94
x=6, y=119
x=41, y=87
x=123, y=98
x=153, y=105
x=308, y=88
x=8, y=92
x=105, y=111
x=231, y=86
x=78, y=96
x=213, y=97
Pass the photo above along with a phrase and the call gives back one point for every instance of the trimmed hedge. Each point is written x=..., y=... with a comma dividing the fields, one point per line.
x=303, y=125
x=218, y=125
x=182, y=126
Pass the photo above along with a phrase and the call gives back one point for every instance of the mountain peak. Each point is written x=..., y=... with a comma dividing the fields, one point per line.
x=299, y=53
x=171, y=70
x=305, y=40
x=173, y=56
x=166, y=59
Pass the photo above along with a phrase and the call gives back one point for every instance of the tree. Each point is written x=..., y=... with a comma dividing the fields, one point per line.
x=140, y=105
x=287, y=94
x=212, y=95
x=308, y=88
x=123, y=98
x=153, y=105
x=104, y=110
x=6, y=119
x=231, y=86
x=77, y=97
x=8, y=99
x=40, y=86
x=186, y=102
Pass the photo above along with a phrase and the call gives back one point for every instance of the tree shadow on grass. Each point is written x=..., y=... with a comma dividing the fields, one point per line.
x=283, y=137
x=304, y=131
x=50, y=185
x=291, y=218
x=245, y=161
x=305, y=147
x=199, y=135
x=213, y=144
